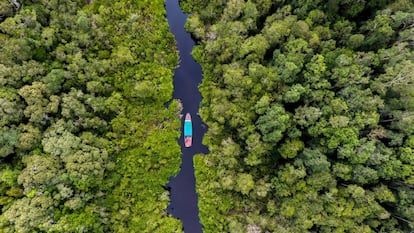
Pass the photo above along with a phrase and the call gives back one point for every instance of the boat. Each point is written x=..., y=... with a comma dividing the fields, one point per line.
x=188, y=131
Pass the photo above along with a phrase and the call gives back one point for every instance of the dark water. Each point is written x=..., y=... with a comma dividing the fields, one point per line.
x=186, y=80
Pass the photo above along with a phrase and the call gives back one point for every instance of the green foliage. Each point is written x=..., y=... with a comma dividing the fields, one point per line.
x=326, y=91
x=7, y=9
x=273, y=123
x=245, y=183
x=85, y=140
x=291, y=148
x=8, y=139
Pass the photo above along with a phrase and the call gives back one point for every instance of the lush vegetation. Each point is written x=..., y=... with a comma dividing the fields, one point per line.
x=85, y=140
x=310, y=108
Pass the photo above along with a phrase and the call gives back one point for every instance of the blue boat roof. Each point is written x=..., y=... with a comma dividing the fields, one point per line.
x=188, y=128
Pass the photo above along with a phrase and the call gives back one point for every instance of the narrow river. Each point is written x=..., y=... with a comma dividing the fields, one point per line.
x=187, y=77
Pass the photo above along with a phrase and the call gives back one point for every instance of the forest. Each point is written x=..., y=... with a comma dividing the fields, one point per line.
x=86, y=142
x=310, y=109
x=309, y=106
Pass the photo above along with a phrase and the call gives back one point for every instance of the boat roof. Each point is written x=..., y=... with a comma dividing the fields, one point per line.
x=188, y=128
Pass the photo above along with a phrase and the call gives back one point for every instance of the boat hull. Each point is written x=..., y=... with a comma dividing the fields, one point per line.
x=188, y=131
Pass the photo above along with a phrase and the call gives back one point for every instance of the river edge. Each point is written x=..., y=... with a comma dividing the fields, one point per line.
x=187, y=77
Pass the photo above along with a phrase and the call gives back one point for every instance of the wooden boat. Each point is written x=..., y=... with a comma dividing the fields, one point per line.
x=188, y=131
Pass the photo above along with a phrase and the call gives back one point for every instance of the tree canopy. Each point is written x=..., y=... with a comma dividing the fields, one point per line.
x=310, y=107
x=86, y=142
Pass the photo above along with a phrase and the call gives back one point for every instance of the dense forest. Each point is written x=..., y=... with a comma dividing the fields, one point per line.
x=86, y=142
x=310, y=108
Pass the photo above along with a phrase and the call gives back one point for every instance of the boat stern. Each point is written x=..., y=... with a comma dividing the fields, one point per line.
x=188, y=141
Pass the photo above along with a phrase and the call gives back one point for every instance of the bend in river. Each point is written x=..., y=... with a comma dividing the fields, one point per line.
x=187, y=77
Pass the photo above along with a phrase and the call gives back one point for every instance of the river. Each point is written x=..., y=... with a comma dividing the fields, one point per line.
x=187, y=77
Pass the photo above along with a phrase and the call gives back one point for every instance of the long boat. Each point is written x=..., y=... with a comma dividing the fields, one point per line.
x=188, y=131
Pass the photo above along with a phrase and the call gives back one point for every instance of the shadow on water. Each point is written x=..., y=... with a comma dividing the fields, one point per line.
x=187, y=77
